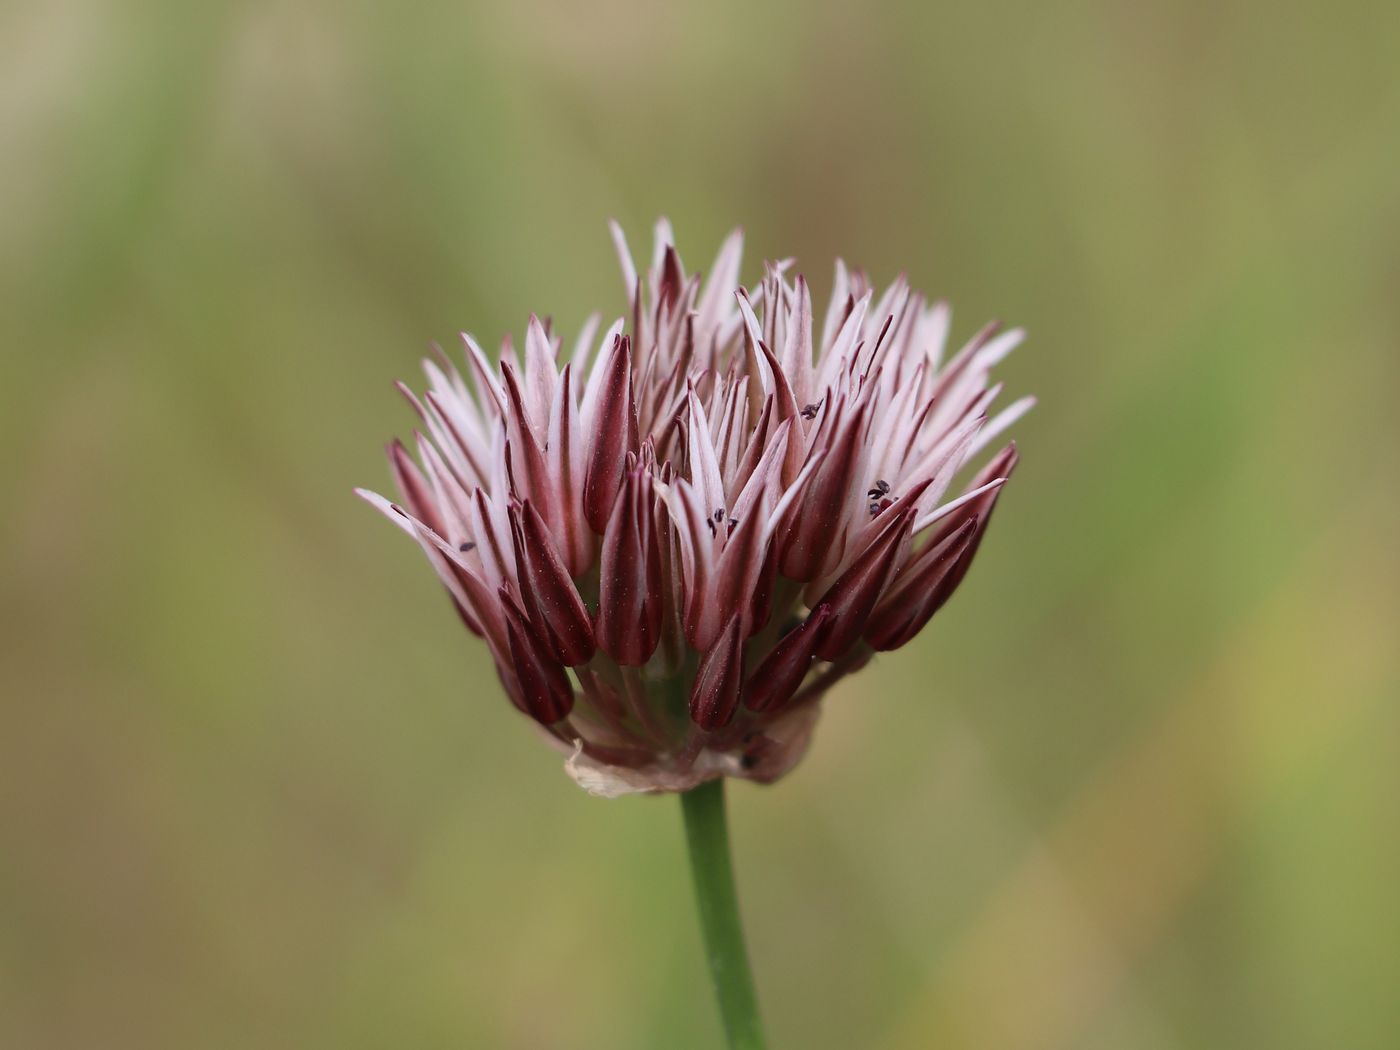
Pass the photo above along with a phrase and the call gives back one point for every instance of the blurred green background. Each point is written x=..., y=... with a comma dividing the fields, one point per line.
x=1136, y=788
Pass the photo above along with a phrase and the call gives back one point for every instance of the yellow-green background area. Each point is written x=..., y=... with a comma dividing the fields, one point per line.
x=1135, y=789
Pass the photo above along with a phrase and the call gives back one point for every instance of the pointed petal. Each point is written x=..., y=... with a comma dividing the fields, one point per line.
x=704, y=467
x=723, y=279
x=560, y=609
x=614, y=435
x=546, y=694
x=468, y=591
x=597, y=378
x=630, y=601
x=852, y=598
x=413, y=487
x=996, y=350
x=624, y=261
x=541, y=375
x=1000, y=423
x=837, y=307
x=524, y=445
x=493, y=398
x=715, y=694
x=935, y=572
x=490, y=528
x=582, y=353
x=567, y=466
x=922, y=593
x=778, y=677
x=939, y=513
x=813, y=538
x=695, y=537
x=797, y=348
x=737, y=574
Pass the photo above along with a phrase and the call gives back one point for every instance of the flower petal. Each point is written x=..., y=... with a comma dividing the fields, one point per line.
x=778, y=677
x=542, y=572
x=715, y=694
x=614, y=435
x=630, y=601
x=546, y=694
x=852, y=598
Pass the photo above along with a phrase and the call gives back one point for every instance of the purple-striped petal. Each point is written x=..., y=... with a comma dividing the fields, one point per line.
x=852, y=598
x=778, y=677
x=715, y=694
x=545, y=692
x=545, y=582
x=630, y=601
x=614, y=435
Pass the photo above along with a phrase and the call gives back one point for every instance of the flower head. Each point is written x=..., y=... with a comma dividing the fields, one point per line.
x=676, y=541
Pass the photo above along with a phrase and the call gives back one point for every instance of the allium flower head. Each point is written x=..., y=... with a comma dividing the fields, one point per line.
x=676, y=540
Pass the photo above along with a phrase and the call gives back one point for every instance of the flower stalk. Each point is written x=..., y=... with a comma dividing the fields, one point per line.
x=707, y=836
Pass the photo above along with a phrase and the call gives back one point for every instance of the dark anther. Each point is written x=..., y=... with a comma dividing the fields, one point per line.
x=879, y=497
x=748, y=761
x=711, y=524
x=810, y=411
x=733, y=524
x=719, y=514
x=467, y=546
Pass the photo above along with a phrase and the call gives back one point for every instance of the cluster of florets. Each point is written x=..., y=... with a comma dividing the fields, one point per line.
x=675, y=541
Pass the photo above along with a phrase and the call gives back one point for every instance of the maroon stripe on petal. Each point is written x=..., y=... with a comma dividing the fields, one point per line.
x=527, y=449
x=963, y=532
x=558, y=604
x=925, y=590
x=417, y=496
x=614, y=434
x=714, y=696
x=940, y=567
x=545, y=692
x=740, y=567
x=778, y=677
x=761, y=607
x=419, y=499
x=852, y=597
x=630, y=602
x=811, y=542
x=671, y=278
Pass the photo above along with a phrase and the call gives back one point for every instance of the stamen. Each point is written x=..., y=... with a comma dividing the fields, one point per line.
x=880, y=497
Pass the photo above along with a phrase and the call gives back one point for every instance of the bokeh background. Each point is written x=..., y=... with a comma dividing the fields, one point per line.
x=1136, y=789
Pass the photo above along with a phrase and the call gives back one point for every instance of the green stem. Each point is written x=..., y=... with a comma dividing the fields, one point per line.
x=707, y=834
